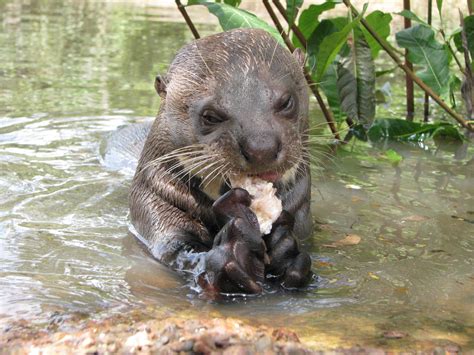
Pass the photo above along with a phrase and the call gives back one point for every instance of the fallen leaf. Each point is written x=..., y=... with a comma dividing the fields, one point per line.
x=323, y=264
x=415, y=218
x=401, y=290
x=351, y=239
x=394, y=334
x=373, y=276
x=353, y=187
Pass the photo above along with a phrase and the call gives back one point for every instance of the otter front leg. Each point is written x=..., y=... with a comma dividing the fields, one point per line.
x=290, y=265
x=235, y=262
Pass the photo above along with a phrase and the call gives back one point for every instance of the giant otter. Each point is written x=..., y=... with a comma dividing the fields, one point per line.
x=232, y=103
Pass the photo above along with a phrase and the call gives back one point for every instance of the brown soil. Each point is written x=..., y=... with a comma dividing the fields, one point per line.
x=164, y=336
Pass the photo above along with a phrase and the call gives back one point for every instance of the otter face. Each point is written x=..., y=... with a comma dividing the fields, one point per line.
x=254, y=122
x=243, y=99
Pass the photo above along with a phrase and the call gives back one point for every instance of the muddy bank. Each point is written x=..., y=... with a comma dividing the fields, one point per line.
x=129, y=334
x=156, y=331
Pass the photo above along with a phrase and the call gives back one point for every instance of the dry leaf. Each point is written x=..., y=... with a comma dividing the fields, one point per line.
x=324, y=264
x=373, y=276
x=394, y=334
x=415, y=218
x=351, y=239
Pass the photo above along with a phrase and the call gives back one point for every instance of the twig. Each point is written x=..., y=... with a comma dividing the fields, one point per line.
x=190, y=23
x=293, y=26
x=415, y=78
x=426, y=106
x=410, y=102
x=303, y=42
x=467, y=87
x=327, y=114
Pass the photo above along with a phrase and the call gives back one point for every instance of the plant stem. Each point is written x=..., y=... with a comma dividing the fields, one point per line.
x=293, y=26
x=467, y=88
x=327, y=114
x=415, y=78
x=188, y=20
x=469, y=6
x=426, y=110
x=410, y=102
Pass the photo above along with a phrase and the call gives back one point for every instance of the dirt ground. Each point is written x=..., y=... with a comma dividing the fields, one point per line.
x=128, y=334
x=146, y=331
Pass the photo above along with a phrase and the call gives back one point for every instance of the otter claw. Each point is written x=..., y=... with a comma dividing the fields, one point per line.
x=234, y=203
x=235, y=263
x=292, y=266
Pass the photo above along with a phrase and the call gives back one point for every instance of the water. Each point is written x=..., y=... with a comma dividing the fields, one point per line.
x=73, y=72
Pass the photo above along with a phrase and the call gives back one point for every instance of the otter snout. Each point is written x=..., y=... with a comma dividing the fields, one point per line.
x=262, y=150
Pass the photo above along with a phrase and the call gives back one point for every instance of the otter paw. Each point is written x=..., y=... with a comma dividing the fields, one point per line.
x=234, y=204
x=287, y=264
x=235, y=263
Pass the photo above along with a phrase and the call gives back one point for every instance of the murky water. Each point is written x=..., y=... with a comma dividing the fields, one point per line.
x=71, y=73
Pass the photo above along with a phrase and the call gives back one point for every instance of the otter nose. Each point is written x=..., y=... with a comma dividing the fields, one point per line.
x=263, y=149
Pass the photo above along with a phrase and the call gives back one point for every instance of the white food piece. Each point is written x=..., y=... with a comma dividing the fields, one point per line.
x=265, y=204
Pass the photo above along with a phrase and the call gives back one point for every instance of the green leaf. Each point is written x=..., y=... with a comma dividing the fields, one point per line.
x=393, y=157
x=292, y=8
x=331, y=45
x=424, y=50
x=231, y=17
x=380, y=22
x=469, y=25
x=379, y=73
x=412, y=16
x=456, y=36
x=356, y=84
x=325, y=28
x=439, y=5
x=329, y=86
x=309, y=19
x=409, y=131
x=234, y=3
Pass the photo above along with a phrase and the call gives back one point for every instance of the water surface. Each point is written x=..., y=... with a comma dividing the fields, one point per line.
x=73, y=72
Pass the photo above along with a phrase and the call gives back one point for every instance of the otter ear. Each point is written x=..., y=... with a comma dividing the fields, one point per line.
x=160, y=86
x=299, y=55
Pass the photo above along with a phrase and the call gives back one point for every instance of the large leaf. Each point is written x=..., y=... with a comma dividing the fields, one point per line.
x=309, y=19
x=325, y=28
x=231, y=17
x=329, y=86
x=380, y=22
x=292, y=8
x=424, y=50
x=331, y=45
x=356, y=84
x=409, y=131
x=469, y=28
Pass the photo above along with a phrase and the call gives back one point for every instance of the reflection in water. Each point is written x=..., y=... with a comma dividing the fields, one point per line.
x=71, y=73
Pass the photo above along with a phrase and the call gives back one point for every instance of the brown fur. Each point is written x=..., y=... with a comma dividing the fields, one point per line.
x=241, y=71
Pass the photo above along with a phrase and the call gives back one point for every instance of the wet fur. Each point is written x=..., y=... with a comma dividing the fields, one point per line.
x=169, y=204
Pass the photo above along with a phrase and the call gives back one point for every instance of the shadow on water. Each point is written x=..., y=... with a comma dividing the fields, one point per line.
x=73, y=72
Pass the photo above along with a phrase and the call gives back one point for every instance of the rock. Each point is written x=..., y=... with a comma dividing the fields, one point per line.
x=137, y=341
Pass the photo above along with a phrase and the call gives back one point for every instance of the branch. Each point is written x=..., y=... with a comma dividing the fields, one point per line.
x=327, y=114
x=188, y=20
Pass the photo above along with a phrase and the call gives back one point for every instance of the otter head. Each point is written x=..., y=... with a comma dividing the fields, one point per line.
x=242, y=100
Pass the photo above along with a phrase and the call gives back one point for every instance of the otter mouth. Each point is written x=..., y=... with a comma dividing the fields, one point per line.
x=270, y=176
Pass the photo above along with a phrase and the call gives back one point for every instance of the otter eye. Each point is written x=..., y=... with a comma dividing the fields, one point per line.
x=211, y=118
x=286, y=104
